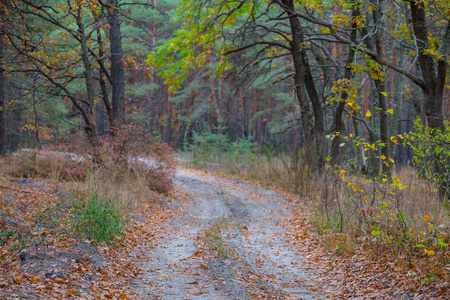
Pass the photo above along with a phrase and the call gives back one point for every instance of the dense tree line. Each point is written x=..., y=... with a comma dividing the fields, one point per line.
x=356, y=66
x=314, y=74
x=65, y=69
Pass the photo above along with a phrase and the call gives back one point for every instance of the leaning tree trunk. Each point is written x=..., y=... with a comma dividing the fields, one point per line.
x=117, y=70
x=305, y=81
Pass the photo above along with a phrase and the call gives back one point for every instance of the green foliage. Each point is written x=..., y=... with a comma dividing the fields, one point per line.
x=375, y=211
x=431, y=153
x=211, y=148
x=96, y=217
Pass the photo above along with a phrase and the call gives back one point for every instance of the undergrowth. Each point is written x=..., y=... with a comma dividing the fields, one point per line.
x=214, y=238
x=96, y=217
x=128, y=150
x=109, y=182
x=402, y=216
x=250, y=161
x=216, y=235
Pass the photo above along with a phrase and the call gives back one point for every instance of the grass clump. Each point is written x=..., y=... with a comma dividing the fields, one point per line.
x=96, y=217
x=214, y=238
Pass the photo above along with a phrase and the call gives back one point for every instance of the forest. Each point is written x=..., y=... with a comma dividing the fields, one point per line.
x=332, y=115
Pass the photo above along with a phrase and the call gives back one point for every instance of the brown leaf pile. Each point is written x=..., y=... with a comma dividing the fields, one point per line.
x=361, y=275
x=41, y=258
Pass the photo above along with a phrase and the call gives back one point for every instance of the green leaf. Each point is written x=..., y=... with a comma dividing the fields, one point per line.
x=376, y=232
x=383, y=93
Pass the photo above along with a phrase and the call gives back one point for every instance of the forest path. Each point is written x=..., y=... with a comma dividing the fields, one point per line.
x=226, y=244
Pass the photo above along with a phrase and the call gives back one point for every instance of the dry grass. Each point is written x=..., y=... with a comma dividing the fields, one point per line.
x=416, y=199
x=403, y=219
x=124, y=184
x=287, y=171
x=44, y=164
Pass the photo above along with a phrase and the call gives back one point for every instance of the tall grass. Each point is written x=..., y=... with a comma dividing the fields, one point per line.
x=128, y=167
x=402, y=216
x=248, y=160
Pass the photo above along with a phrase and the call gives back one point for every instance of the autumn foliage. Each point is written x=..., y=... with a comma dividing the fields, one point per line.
x=126, y=150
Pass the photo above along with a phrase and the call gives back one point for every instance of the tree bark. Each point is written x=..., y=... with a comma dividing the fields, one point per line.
x=381, y=94
x=117, y=70
x=304, y=81
x=434, y=75
x=338, y=122
x=90, y=121
x=101, y=54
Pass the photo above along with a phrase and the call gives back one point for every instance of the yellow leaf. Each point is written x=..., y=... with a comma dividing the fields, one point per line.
x=383, y=157
x=429, y=252
x=368, y=113
x=390, y=111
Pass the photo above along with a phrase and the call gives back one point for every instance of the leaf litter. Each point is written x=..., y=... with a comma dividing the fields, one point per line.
x=262, y=248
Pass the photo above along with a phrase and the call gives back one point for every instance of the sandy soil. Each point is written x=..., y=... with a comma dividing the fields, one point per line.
x=226, y=244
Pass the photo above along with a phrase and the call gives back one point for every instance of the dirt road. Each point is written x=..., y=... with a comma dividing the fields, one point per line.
x=226, y=244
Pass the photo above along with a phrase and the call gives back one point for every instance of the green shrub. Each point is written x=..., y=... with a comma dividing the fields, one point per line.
x=431, y=154
x=96, y=217
x=211, y=149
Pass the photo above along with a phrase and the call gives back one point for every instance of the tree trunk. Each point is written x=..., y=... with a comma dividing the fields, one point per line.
x=117, y=71
x=102, y=73
x=398, y=83
x=299, y=77
x=338, y=122
x=373, y=165
x=380, y=93
x=90, y=119
x=2, y=82
x=434, y=76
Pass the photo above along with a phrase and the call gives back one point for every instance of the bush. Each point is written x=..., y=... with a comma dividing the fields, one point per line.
x=128, y=150
x=131, y=149
x=213, y=149
x=431, y=154
x=96, y=217
x=401, y=216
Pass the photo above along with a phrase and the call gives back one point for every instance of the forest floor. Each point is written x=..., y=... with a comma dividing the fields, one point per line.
x=211, y=238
